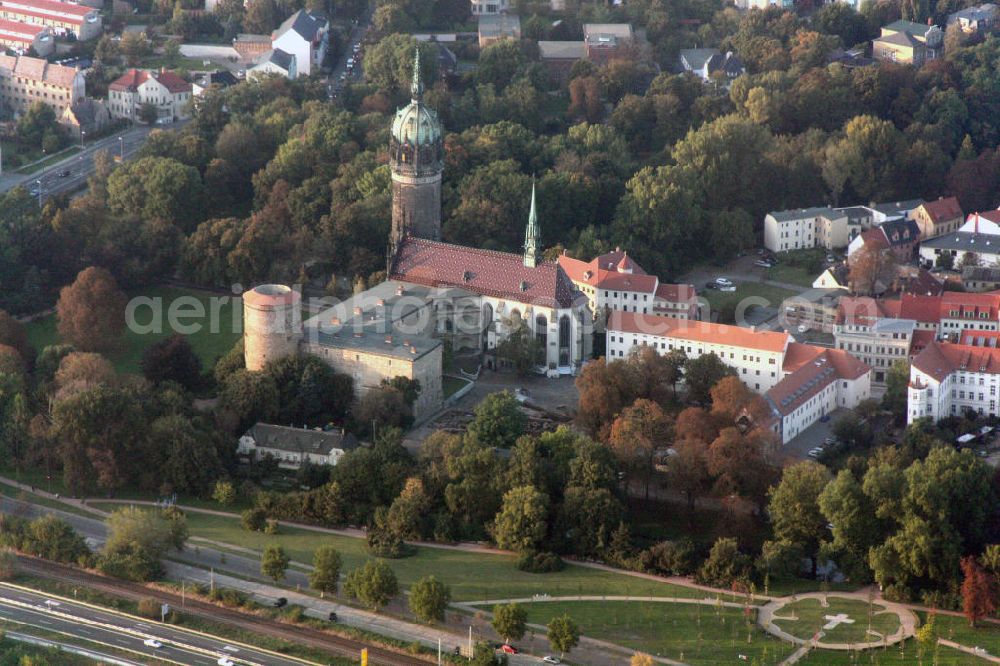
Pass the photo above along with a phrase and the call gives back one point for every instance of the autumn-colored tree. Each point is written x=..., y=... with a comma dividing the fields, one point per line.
x=605, y=390
x=739, y=466
x=978, y=591
x=730, y=397
x=91, y=311
x=696, y=423
x=870, y=266
x=79, y=371
x=688, y=470
x=635, y=436
x=585, y=99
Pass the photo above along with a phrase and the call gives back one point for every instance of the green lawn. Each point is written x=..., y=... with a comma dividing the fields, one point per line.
x=694, y=634
x=811, y=616
x=791, y=274
x=725, y=303
x=215, y=335
x=471, y=576
x=906, y=653
x=957, y=629
x=450, y=385
x=49, y=161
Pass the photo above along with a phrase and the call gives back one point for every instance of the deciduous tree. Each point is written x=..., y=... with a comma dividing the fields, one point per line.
x=91, y=311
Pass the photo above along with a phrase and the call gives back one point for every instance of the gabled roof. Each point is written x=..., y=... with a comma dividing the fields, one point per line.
x=696, y=58
x=986, y=273
x=37, y=69
x=812, y=376
x=697, y=331
x=613, y=270
x=907, y=26
x=900, y=39
x=964, y=241
x=924, y=309
x=485, y=272
x=301, y=440
x=918, y=281
x=980, y=338
x=940, y=359
x=800, y=213
x=943, y=210
x=304, y=23
x=900, y=232
x=133, y=78
x=278, y=58
x=860, y=310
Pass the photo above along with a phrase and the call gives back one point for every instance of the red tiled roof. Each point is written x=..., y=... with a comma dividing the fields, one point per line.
x=813, y=376
x=37, y=69
x=919, y=281
x=875, y=237
x=979, y=338
x=497, y=274
x=133, y=78
x=970, y=306
x=859, y=310
x=925, y=309
x=677, y=293
x=19, y=30
x=797, y=355
x=699, y=331
x=940, y=359
x=991, y=215
x=943, y=210
x=921, y=338
x=48, y=7
x=603, y=272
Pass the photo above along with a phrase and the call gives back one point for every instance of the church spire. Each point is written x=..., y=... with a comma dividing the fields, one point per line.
x=417, y=86
x=531, y=234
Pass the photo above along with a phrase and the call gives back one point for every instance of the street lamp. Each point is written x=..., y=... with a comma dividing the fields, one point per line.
x=121, y=146
x=38, y=184
x=83, y=133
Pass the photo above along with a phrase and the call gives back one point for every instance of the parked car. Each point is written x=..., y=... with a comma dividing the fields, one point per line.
x=824, y=418
x=549, y=659
x=802, y=328
x=814, y=453
x=225, y=661
x=332, y=617
x=830, y=259
x=64, y=173
x=762, y=263
x=711, y=285
x=508, y=649
x=729, y=287
x=280, y=602
x=723, y=282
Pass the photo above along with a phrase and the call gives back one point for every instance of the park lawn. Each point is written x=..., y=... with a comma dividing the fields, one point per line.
x=907, y=653
x=213, y=338
x=451, y=385
x=792, y=274
x=986, y=636
x=811, y=618
x=725, y=303
x=472, y=576
x=693, y=633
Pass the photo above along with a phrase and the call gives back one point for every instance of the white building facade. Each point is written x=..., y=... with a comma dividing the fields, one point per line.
x=947, y=379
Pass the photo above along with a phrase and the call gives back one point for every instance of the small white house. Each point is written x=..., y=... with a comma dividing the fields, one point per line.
x=277, y=62
x=305, y=36
x=292, y=446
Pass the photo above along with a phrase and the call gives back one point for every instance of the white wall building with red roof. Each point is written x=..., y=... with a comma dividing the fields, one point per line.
x=614, y=281
x=21, y=37
x=25, y=80
x=163, y=89
x=947, y=379
x=62, y=17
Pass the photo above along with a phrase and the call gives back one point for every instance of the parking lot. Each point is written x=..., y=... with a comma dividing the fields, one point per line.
x=811, y=437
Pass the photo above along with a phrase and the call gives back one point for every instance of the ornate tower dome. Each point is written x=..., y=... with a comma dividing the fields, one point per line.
x=416, y=156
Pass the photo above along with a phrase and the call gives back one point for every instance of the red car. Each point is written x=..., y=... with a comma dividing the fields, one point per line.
x=508, y=649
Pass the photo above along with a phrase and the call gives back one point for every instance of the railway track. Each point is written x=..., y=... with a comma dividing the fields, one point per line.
x=306, y=636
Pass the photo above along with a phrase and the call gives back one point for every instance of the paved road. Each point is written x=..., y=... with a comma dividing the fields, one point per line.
x=358, y=33
x=124, y=632
x=79, y=166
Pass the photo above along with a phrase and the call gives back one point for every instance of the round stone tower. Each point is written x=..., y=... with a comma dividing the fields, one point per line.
x=416, y=157
x=272, y=324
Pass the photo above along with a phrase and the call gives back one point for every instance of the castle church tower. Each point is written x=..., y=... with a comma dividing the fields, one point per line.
x=416, y=156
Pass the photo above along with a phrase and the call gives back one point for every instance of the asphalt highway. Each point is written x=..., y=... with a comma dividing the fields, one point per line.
x=123, y=632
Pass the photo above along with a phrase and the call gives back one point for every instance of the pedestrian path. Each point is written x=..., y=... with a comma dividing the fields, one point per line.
x=769, y=612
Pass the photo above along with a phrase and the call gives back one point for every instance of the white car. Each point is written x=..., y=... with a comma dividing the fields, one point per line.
x=723, y=282
x=225, y=661
x=152, y=642
x=814, y=453
x=727, y=287
x=802, y=328
x=551, y=660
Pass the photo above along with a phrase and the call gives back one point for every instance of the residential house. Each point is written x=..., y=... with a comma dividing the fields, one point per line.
x=948, y=379
x=764, y=4
x=164, y=90
x=979, y=20
x=22, y=37
x=938, y=217
x=63, y=18
x=498, y=27
x=559, y=57
x=792, y=229
x=25, y=80
x=292, y=447
x=711, y=65
x=981, y=278
x=275, y=62
x=605, y=42
x=490, y=7
x=218, y=79
x=834, y=277
x=87, y=115
x=304, y=35
x=908, y=43
x=899, y=236
x=613, y=281
x=976, y=243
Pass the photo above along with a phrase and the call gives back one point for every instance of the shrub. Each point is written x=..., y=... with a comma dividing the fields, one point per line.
x=293, y=614
x=148, y=607
x=8, y=565
x=253, y=520
x=540, y=562
x=676, y=558
x=131, y=563
x=271, y=526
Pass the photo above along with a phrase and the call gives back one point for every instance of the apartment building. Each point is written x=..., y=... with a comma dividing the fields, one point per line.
x=614, y=281
x=25, y=80
x=63, y=18
x=947, y=379
x=938, y=217
x=830, y=228
x=908, y=43
x=876, y=340
x=23, y=37
x=164, y=90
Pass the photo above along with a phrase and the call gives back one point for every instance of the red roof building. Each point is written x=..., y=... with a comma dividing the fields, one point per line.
x=164, y=90
x=938, y=217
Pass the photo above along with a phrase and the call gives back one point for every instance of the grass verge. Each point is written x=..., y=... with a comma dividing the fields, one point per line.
x=49, y=161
